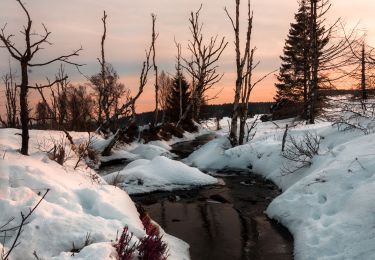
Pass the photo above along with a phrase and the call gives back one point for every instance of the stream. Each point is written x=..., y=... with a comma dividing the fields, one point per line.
x=224, y=221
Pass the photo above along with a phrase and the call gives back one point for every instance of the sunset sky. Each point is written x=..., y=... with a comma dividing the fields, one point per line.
x=77, y=22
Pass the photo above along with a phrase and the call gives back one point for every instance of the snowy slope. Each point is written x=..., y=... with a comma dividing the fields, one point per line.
x=76, y=205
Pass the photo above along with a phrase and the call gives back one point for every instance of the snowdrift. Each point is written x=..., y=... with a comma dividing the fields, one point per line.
x=159, y=174
x=79, y=203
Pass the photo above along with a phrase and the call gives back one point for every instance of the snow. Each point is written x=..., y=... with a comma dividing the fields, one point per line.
x=159, y=174
x=328, y=207
x=150, y=151
x=138, y=150
x=79, y=203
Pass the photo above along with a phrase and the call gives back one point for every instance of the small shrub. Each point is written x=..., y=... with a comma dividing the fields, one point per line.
x=56, y=149
x=86, y=152
x=116, y=180
x=123, y=248
x=88, y=241
x=299, y=153
x=152, y=247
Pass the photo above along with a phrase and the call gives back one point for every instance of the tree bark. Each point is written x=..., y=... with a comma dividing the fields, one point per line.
x=315, y=63
x=237, y=94
x=24, y=113
x=363, y=74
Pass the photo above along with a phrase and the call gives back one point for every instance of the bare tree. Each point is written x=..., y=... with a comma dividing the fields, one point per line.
x=165, y=86
x=102, y=90
x=362, y=59
x=106, y=84
x=241, y=61
x=25, y=59
x=153, y=41
x=202, y=66
x=11, y=99
x=240, y=65
x=325, y=61
x=179, y=72
x=127, y=110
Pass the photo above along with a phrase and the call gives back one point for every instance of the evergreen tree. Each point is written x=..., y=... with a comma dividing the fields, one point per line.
x=295, y=72
x=173, y=100
x=292, y=76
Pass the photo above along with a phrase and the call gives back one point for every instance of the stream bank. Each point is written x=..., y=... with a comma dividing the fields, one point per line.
x=222, y=221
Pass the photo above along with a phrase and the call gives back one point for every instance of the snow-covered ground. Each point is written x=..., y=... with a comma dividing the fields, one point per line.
x=152, y=167
x=139, y=150
x=161, y=173
x=79, y=203
x=328, y=206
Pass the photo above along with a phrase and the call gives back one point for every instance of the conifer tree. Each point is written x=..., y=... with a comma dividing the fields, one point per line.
x=292, y=77
x=295, y=73
x=173, y=100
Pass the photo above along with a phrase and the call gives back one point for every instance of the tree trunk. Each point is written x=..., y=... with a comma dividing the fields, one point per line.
x=315, y=64
x=363, y=74
x=24, y=113
x=243, y=118
x=237, y=95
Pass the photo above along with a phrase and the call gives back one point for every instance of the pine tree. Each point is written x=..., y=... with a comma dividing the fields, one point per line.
x=295, y=72
x=173, y=100
x=292, y=76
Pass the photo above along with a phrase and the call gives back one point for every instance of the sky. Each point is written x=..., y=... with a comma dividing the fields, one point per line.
x=76, y=23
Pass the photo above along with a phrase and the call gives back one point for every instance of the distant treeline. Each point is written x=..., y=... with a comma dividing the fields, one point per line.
x=339, y=92
x=210, y=111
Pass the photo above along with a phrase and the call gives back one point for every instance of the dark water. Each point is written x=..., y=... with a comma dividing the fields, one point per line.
x=221, y=222
x=224, y=222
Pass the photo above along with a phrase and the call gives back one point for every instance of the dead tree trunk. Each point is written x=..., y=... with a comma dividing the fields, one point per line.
x=363, y=73
x=24, y=112
x=101, y=94
x=154, y=37
x=179, y=73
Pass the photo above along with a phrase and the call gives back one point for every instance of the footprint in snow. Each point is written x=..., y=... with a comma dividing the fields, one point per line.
x=322, y=199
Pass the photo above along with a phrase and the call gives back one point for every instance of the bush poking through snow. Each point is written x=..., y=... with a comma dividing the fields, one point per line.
x=86, y=152
x=300, y=152
x=56, y=148
x=353, y=115
x=88, y=241
x=152, y=247
x=123, y=248
x=116, y=180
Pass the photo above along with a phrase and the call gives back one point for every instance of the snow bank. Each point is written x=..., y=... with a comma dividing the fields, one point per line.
x=161, y=173
x=150, y=151
x=79, y=203
x=328, y=207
